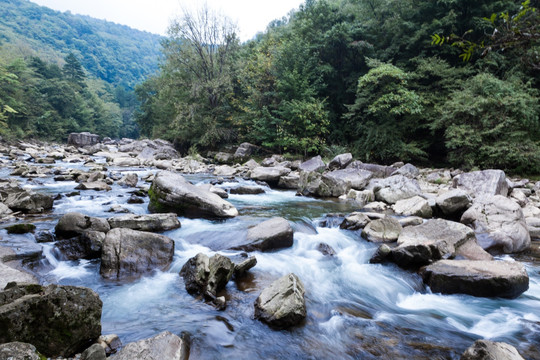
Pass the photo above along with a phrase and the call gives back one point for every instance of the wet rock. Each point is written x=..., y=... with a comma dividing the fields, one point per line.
x=82, y=139
x=355, y=221
x=314, y=164
x=271, y=175
x=129, y=254
x=362, y=197
x=415, y=206
x=74, y=223
x=242, y=267
x=57, y=320
x=332, y=184
x=478, y=278
x=96, y=186
x=44, y=236
x=247, y=190
x=489, y=350
x=9, y=274
x=20, y=228
x=382, y=230
x=19, y=351
x=340, y=161
x=94, y=352
x=282, y=304
x=134, y=199
x=129, y=180
x=88, y=245
x=170, y=192
x=21, y=249
x=395, y=188
x=147, y=222
x=290, y=181
x=269, y=235
x=485, y=182
x=163, y=346
x=326, y=249
x=19, y=199
x=382, y=254
x=454, y=202
x=111, y=343
x=499, y=224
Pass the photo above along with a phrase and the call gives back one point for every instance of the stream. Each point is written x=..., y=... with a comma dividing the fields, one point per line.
x=355, y=310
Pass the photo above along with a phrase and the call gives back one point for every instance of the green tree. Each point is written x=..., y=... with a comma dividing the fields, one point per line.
x=73, y=70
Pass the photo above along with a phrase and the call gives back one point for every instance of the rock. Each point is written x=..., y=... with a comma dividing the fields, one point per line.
x=57, y=320
x=361, y=197
x=478, y=278
x=377, y=206
x=395, y=188
x=326, y=249
x=355, y=221
x=411, y=221
x=332, y=184
x=282, y=304
x=131, y=254
x=21, y=249
x=485, y=182
x=244, y=151
x=170, y=192
x=88, y=245
x=272, y=234
x=147, y=222
x=9, y=274
x=340, y=161
x=134, y=199
x=382, y=254
x=129, y=180
x=163, y=346
x=19, y=351
x=94, y=352
x=82, y=139
x=242, y=267
x=19, y=199
x=271, y=175
x=20, y=228
x=434, y=240
x=111, y=343
x=96, y=186
x=408, y=170
x=378, y=171
x=453, y=202
x=314, y=164
x=269, y=162
x=533, y=226
x=439, y=177
x=519, y=196
x=74, y=223
x=382, y=230
x=489, y=350
x=290, y=181
x=224, y=170
x=498, y=223
x=126, y=161
x=415, y=206
x=251, y=164
x=4, y=210
x=247, y=190
x=224, y=158
x=44, y=236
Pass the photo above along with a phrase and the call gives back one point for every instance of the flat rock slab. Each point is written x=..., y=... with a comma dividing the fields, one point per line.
x=163, y=346
x=9, y=274
x=269, y=235
x=478, y=278
x=382, y=230
x=485, y=182
x=148, y=222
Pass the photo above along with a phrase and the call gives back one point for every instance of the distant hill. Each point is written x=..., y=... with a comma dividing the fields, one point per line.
x=114, y=53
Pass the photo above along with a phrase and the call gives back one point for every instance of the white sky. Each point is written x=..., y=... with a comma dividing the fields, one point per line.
x=252, y=16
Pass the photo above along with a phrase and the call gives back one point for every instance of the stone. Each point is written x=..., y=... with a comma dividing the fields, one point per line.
x=271, y=175
x=224, y=158
x=19, y=351
x=382, y=230
x=520, y=197
x=408, y=170
x=134, y=199
x=129, y=180
x=20, y=228
x=94, y=352
x=326, y=249
x=378, y=171
x=44, y=236
x=332, y=184
x=314, y=164
x=489, y=350
x=87, y=245
x=395, y=188
x=96, y=186
x=111, y=343
x=242, y=267
x=355, y=221
x=126, y=161
x=225, y=170
x=57, y=320
x=499, y=224
x=411, y=221
x=130, y=254
x=478, y=278
x=9, y=274
x=485, y=182
x=533, y=226
x=244, y=151
x=247, y=190
x=362, y=197
x=434, y=240
x=269, y=235
x=170, y=192
x=377, y=206
x=27, y=201
x=148, y=222
x=290, y=181
x=282, y=304
x=163, y=346
x=340, y=161
x=415, y=206
x=453, y=202
x=4, y=210
x=74, y=223
x=382, y=254
x=82, y=139
x=251, y=164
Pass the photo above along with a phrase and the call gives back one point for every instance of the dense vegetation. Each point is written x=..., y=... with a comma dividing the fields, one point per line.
x=359, y=75
x=61, y=73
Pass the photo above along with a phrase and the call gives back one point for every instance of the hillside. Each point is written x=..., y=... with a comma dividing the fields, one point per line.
x=115, y=53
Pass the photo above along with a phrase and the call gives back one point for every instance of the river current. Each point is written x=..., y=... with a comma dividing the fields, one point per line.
x=355, y=310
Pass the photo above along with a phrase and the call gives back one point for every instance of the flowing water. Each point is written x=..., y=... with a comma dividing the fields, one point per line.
x=356, y=310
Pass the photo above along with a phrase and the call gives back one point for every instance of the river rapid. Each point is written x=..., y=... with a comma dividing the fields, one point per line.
x=355, y=310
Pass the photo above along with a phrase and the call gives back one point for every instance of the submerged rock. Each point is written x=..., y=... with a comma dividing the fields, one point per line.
x=269, y=235
x=282, y=304
x=163, y=346
x=147, y=222
x=489, y=350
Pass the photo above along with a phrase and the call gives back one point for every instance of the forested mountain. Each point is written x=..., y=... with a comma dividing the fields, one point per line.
x=114, y=53
x=452, y=82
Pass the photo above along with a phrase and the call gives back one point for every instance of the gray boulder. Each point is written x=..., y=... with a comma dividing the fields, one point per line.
x=271, y=175
x=87, y=245
x=395, y=188
x=408, y=170
x=290, y=181
x=82, y=139
x=19, y=351
x=379, y=171
x=499, y=224
x=247, y=190
x=96, y=186
x=314, y=164
x=453, y=202
x=355, y=221
x=332, y=184
x=340, y=161
x=485, y=182
x=478, y=278
x=147, y=222
x=489, y=350
x=126, y=161
x=282, y=304
x=129, y=254
x=27, y=201
x=129, y=180
x=269, y=235
x=57, y=320
x=415, y=206
x=386, y=229
x=9, y=274
x=224, y=157
x=244, y=151
x=170, y=192
x=94, y=352
x=74, y=224
x=163, y=346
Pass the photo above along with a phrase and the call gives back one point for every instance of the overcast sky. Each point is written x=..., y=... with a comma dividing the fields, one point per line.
x=154, y=16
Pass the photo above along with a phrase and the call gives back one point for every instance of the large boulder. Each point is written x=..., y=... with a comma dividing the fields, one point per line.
x=489, y=350
x=27, y=201
x=415, y=206
x=314, y=164
x=478, y=278
x=126, y=161
x=57, y=320
x=82, y=139
x=95, y=185
x=485, y=182
x=282, y=304
x=395, y=188
x=87, y=245
x=147, y=222
x=355, y=221
x=272, y=234
x=131, y=254
x=170, y=192
x=499, y=224
x=340, y=161
x=386, y=229
x=434, y=240
x=19, y=351
x=290, y=181
x=74, y=224
x=453, y=202
x=163, y=346
x=379, y=171
x=271, y=175
x=408, y=170
x=244, y=151
x=334, y=183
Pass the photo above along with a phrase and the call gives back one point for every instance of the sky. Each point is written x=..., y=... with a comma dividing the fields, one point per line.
x=154, y=16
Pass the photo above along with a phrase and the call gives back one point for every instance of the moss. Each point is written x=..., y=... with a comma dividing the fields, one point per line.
x=20, y=228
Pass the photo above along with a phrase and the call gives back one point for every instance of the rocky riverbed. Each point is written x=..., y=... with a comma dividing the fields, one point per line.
x=124, y=248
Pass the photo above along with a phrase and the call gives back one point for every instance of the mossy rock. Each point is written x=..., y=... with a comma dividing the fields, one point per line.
x=21, y=228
